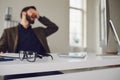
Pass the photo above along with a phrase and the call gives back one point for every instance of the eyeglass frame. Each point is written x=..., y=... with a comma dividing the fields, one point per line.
x=25, y=56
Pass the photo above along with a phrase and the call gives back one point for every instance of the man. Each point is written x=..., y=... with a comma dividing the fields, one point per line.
x=23, y=37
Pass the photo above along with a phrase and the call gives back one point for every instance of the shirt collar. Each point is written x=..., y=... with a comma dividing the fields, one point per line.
x=20, y=27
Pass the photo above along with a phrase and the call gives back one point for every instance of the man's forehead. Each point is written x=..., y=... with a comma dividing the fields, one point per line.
x=31, y=10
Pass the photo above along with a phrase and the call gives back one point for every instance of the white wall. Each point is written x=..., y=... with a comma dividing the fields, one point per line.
x=115, y=17
x=56, y=10
x=93, y=25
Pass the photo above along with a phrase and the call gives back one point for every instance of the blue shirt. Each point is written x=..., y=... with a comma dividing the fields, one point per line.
x=27, y=40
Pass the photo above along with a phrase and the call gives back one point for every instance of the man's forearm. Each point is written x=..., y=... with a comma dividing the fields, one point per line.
x=51, y=27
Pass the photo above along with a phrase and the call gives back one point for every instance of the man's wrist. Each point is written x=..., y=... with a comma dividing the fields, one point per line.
x=40, y=18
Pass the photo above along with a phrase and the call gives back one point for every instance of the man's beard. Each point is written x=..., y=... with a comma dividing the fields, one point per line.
x=29, y=20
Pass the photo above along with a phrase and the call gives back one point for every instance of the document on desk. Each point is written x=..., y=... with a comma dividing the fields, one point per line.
x=75, y=55
x=9, y=55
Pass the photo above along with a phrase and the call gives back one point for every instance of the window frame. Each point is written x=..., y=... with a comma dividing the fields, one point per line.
x=83, y=45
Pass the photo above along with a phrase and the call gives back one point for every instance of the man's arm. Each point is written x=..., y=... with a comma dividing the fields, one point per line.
x=50, y=26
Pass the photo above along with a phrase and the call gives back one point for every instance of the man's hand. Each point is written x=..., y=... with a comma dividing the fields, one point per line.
x=37, y=14
x=29, y=17
x=24, y=14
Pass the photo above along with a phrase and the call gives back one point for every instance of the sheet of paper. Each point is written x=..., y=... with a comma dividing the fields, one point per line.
x=10, y=55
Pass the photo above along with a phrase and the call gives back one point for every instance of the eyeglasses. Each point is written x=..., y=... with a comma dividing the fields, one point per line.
x=31, y=56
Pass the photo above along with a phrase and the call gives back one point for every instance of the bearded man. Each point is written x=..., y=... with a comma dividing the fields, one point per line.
x=25, y=38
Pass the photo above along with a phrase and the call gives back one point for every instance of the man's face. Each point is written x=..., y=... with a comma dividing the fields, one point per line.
x=31, y=16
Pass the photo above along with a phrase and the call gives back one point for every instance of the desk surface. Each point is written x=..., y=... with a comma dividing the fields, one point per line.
x=59, y=63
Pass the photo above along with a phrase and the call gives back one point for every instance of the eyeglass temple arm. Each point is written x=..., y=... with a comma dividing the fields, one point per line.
x=48, y=55
x=40, y=56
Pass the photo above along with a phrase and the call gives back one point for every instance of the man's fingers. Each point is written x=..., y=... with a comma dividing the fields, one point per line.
x=24, y=14
x=37, y=14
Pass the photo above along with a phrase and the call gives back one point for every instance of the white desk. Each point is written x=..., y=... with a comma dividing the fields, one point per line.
x=105, y=74
x=91, y=62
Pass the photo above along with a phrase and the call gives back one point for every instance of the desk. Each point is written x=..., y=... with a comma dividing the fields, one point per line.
x=88, y=66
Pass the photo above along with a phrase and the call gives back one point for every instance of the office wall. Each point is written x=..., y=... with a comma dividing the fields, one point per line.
x=56, y=10
x=59, y=42
x=115, y=17
x=93, y=25
x=115, y=13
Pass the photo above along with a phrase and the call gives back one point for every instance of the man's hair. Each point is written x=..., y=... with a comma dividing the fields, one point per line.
x=26, y=9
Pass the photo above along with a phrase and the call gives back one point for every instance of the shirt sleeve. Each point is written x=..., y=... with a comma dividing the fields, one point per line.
x=50, y=26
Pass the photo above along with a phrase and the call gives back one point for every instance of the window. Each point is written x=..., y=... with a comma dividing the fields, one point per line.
x=77, y=24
